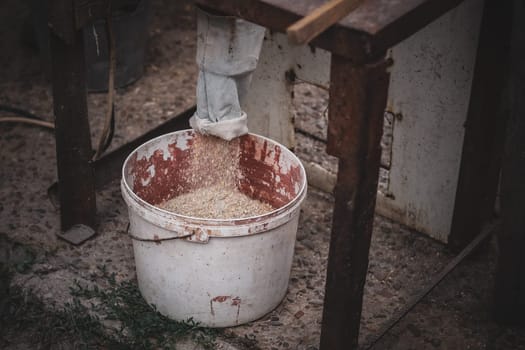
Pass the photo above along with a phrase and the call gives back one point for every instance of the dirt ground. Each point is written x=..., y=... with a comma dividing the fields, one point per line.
x=456, y=315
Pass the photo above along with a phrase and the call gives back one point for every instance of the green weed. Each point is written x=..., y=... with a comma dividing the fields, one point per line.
x=83, y=323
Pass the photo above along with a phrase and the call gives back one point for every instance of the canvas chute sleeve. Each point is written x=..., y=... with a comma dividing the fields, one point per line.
x=228, y=50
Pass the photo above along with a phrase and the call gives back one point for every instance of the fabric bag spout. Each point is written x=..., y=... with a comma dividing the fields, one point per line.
x=228, y=50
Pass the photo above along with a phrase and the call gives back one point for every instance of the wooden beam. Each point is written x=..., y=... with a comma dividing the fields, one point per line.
x=310, y=26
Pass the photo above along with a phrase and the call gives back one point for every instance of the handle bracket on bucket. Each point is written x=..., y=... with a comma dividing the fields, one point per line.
x=155, y=239
x=199, y=236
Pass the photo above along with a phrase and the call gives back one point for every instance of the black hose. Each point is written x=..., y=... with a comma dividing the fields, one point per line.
x=19, y=111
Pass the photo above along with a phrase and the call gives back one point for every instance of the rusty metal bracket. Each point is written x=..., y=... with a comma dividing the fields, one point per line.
x=77, y=234
x=198, y=236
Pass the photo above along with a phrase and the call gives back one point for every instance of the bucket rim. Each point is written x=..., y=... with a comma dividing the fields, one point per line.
x=299, y=197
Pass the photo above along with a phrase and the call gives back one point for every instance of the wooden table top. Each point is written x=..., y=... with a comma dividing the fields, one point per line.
x=367, y=32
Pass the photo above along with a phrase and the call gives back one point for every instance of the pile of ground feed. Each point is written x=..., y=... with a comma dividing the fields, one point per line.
x=217, y=202
x=213, y=174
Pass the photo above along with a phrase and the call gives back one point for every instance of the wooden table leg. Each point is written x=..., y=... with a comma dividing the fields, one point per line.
x=358, y=96
x=73, y=139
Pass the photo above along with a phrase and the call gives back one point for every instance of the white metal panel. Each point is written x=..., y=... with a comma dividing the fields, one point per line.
x=430, y=88
x=312, y=65
x=270, y=98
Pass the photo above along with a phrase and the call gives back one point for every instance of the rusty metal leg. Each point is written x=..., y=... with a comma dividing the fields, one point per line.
x=509, y=288
x=73, y=140
x=358, y=97
x=484, y=128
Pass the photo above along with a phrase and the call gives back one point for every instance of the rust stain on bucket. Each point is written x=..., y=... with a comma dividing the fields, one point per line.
x=221, y=298
x=161, y=176
x=265, y=174
x=235, y=301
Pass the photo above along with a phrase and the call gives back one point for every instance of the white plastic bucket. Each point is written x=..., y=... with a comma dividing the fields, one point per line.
x=221, y=273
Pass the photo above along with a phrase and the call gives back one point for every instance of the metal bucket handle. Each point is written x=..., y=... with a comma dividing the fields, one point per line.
x=198, y=236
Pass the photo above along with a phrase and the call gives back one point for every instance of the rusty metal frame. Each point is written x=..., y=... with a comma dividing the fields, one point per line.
x=355, y=127
x=484, y=129
x=354, y=135
x=79, y=177
x=73, y=138
x=509, y=290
